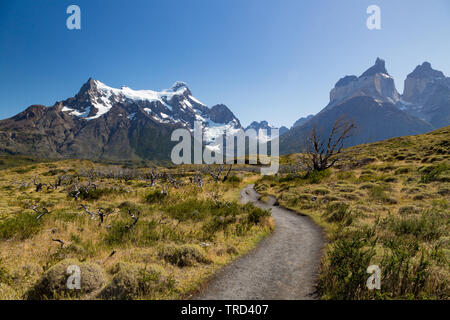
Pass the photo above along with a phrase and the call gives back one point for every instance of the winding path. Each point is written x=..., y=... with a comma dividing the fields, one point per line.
x=284, y=266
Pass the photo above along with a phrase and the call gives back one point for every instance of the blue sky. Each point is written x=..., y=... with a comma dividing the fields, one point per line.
x=265, y=59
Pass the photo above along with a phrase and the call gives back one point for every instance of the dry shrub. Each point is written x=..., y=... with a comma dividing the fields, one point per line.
x=53, y=284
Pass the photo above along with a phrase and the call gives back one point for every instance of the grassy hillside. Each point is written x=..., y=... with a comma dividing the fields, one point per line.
x=388, y=205
x=179, y=240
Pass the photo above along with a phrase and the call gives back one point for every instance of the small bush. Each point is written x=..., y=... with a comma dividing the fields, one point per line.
x=432, y=173
x=131, y=282
x=379, y=193
x=155, y=196
x=183, y=256
x=255, y=214
x=53, y=284
x=217, y=223
x=338, y=212
x=321, y=192
x=316, y=176
x=346, y=175
x=234, y=179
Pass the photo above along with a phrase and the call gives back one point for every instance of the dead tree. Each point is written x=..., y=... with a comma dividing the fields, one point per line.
x=76, y=192
x=134, y=217
x=57, y=183
x=216, y=176
x=197, y=179
x=38, y=185
x=153, y=176
x=228, y=173
x=92, y=215
x=322, y=153
x=40, y=213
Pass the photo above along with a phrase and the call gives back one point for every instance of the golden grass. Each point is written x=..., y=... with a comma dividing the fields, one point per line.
x=25, y=260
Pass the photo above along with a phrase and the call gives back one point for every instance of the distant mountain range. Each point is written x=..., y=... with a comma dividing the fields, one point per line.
x=266, y=126
x=379, y=111
x=105, y=123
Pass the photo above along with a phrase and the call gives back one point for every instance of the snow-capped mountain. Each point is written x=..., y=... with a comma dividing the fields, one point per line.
x=102, y=122
x=175, y=105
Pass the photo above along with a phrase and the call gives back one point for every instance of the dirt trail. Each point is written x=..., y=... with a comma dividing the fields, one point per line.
x=283, y=266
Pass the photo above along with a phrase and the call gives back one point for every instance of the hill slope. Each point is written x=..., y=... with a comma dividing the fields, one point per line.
x=386, y=205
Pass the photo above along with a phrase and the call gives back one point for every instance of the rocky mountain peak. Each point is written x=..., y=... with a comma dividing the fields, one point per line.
x=378, y=67
x=375, y=82
x=221, y=114
x=427, y=95
x=419, y=80
x=426, y=71
x=179, y=85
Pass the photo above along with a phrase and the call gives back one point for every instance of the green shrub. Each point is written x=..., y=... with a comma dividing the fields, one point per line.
x=288, y=178
x=234, y=179
x=255, y=214
x=321, y=192
x=338, y=212
x=403, y=275
x=432, y=173
x=155, y=196
x=430, y=225
x=144, y=233
x=316, y=176
x=344, y=277
x=345, y=175
x=22, y=225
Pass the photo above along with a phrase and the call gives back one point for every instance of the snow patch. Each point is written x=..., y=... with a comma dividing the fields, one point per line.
x=77, y=113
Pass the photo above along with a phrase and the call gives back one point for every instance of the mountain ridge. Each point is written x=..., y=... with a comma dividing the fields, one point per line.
x=426, y=107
